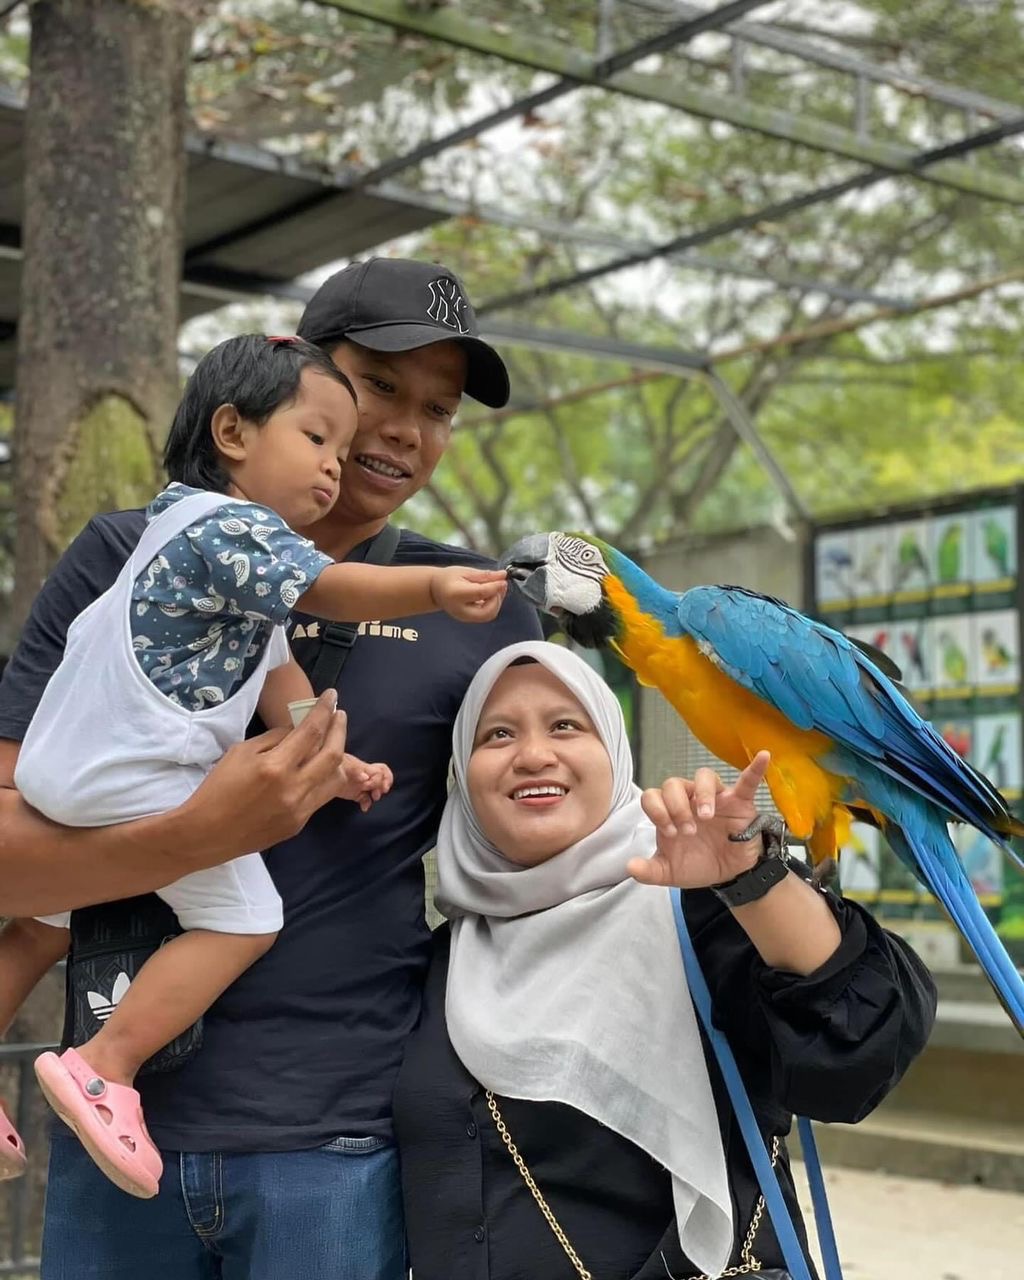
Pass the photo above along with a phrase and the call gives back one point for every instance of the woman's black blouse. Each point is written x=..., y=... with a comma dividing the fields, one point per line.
x=828, y=1046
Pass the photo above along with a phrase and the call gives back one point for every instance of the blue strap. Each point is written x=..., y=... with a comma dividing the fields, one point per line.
x=778, y=1210
x=819, y=1198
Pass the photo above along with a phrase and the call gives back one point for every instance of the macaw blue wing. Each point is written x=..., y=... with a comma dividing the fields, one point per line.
x=820, y=680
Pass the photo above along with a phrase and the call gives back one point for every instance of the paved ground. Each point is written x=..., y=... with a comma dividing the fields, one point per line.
x=892, y=1228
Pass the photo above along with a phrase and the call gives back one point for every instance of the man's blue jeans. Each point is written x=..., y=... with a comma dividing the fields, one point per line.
x=333, y=1213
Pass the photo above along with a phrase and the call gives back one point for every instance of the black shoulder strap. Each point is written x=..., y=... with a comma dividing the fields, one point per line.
x=337, y=638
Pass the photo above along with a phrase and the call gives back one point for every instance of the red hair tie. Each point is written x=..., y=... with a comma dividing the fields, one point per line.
x=289, y=340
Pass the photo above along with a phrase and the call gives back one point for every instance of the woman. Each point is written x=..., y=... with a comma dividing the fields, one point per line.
x=558, y=1111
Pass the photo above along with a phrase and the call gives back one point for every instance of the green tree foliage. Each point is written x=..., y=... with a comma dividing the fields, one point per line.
x=894, y=410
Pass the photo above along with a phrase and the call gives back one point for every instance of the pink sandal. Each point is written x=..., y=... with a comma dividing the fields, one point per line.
x=107, y=1118
x=12, y=1149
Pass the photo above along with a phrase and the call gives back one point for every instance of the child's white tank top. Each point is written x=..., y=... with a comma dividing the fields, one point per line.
x=105, y=745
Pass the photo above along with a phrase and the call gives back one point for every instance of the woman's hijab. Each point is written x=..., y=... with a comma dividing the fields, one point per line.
x=566, y=982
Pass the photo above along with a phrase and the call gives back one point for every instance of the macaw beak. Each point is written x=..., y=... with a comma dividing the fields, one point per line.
x=526, y=563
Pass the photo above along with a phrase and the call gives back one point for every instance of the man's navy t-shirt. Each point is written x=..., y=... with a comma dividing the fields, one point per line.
x=305, y=1046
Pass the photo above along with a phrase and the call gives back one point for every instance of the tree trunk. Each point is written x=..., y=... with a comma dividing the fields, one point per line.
x=103, y=214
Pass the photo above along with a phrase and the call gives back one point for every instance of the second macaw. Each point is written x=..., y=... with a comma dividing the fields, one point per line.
x=748, y=673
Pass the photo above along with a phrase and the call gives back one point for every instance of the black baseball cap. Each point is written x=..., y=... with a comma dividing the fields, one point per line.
x=395, y=304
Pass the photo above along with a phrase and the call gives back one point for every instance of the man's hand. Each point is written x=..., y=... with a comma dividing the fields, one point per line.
x=261, y=792
x=471, y=595
x=265, y=789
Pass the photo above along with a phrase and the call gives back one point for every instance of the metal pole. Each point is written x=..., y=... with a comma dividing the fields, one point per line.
x=743, y=424
x=770, y=213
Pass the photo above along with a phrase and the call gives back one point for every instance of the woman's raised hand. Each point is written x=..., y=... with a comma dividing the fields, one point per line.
x=694, y=819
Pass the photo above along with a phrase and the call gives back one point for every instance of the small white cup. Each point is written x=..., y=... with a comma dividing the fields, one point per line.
x=299, y=710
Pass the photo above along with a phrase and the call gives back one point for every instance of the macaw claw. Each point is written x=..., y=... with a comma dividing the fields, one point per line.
x=772, y=831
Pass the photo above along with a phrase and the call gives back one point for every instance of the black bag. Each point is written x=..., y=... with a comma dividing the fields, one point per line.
x=110, y=943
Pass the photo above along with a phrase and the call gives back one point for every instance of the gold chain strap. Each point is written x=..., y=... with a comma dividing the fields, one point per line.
x=749, y=1264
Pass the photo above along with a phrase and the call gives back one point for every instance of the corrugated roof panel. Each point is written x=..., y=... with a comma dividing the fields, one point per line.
x=230, y=188
x=339, y=228
x=234, y=197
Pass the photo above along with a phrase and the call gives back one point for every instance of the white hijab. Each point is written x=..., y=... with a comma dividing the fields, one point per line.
x=566, y=982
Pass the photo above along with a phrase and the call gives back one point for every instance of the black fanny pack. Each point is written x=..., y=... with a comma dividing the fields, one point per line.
x=109, y=945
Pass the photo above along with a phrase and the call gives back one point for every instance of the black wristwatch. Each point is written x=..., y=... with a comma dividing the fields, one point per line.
x=770, y=868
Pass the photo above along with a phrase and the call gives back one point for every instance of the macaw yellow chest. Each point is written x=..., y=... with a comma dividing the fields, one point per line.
x=733, y=723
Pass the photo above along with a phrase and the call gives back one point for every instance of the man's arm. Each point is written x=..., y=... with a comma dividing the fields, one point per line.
x=262, y=792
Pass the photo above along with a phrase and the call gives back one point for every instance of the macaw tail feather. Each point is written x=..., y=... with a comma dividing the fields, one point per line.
x=931, y=856
x=1011, y=826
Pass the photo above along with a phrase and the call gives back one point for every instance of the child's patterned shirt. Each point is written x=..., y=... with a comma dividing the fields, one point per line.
x=204, y=608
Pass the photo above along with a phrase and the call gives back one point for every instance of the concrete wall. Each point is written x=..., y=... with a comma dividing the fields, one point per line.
x=759, y=558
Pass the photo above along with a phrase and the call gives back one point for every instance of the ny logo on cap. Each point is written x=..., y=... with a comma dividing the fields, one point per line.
x=446, y=304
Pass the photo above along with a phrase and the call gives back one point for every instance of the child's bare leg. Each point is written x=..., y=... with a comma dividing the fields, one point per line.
x=28, y=950
x=175, y=986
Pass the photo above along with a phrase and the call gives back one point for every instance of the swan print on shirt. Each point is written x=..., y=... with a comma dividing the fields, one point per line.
x=204, y=608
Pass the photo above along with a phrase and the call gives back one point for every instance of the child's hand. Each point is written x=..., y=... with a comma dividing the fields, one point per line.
x=364, y=783
x=471, y=595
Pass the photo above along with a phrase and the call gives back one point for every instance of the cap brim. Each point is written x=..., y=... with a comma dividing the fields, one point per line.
x=486, y=375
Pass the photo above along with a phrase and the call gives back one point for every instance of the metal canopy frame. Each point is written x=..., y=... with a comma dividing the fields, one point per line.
x=603, y=69
x=211, y=276
x=918, y=164
x=582, y=70
x=945, y=165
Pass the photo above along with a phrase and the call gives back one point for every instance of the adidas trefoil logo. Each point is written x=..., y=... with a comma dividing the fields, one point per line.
x=103, y=1006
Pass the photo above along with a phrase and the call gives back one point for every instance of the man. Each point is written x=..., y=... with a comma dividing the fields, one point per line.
x=276, y=1134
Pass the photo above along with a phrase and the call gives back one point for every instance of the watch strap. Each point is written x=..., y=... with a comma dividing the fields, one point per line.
x=767, y=871
x=754, y=883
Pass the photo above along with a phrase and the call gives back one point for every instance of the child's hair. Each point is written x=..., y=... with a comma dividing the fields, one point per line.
x=254, y=373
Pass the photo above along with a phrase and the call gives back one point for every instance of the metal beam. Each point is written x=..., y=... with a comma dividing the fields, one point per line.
x=232, y=286
x=223, y=286
x=743, y=424
x=716, y=264
x=661, y=361
x=768, y=37
x=204, y=280
x=606, y=65
x=769, y=213
x=455, y=28
x=637, y=356
x=818, y=332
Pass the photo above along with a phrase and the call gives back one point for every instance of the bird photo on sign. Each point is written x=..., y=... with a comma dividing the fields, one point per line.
x=911, y=571
x=911, y=648
x=997, y=648
x=834, y=568
x=871, y=573
x=952, y=552
x=748, y=673
x=995, y=544
x=997, y=750
x=954, y=657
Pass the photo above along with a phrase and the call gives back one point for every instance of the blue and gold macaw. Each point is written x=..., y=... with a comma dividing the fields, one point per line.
x=748, y=673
